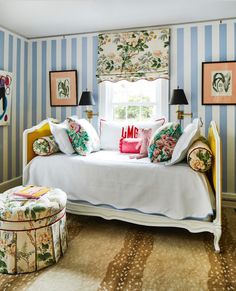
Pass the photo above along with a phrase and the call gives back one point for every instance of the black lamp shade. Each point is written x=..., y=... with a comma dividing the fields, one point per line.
x=178, y=97
x=86, y=99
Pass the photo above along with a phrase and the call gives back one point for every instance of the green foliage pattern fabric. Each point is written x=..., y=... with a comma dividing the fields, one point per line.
x=32, y=231
x=45, y=146
x=133, y=55
x=163, y=142
x=199, y=156
x=79, y=138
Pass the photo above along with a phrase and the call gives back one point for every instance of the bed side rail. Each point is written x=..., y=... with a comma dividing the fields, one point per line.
x=29, y=136
x=215, y=145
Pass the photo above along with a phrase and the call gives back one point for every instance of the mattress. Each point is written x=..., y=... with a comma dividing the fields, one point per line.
x=113, y=179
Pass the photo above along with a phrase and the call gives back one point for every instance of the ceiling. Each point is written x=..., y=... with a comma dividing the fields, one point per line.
x=38, y=18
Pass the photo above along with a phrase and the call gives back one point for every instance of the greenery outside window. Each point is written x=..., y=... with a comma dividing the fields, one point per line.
x=134, y=101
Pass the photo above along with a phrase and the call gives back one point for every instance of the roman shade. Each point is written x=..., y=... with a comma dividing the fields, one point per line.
x=133, y=55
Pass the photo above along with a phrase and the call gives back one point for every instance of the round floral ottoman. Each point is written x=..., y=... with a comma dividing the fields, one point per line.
x=33, y=232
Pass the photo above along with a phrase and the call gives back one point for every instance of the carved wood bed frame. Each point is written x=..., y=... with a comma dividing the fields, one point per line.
x=136, y=217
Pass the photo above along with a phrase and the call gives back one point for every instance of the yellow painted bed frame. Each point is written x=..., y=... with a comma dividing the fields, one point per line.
x=43, y=129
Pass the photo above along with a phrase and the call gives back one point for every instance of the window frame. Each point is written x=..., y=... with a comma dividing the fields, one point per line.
x=161, y=104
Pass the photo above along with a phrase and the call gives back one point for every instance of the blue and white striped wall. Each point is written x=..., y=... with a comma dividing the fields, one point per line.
x=14, y=58
x=76, y=53
x=190, y=46
x=30, y=62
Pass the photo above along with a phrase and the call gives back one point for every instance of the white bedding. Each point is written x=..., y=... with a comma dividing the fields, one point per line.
x=111, y=178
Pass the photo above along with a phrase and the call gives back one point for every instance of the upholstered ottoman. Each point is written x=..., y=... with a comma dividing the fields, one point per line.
x=33, y=232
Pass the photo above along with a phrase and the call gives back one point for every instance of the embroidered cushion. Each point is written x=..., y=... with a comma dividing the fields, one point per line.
x=199, y=156
x=163, y=142
x=61, y=137
x=111, y=132
x=45, y=146
x=130, y=145
x=190, y=134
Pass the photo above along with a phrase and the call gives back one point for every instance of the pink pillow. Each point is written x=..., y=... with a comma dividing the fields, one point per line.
x=130, y=145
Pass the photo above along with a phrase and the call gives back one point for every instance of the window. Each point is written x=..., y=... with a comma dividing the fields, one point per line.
x=134, y=101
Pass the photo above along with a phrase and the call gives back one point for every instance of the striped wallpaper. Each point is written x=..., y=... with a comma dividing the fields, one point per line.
x=78, y=53
x=190, y=46
x=14, y=58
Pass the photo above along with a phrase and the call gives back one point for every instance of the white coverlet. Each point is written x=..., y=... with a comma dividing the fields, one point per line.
x=111, y=178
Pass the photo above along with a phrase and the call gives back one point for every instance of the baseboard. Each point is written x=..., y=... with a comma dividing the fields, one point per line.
x=10, y=184
x=229, y=200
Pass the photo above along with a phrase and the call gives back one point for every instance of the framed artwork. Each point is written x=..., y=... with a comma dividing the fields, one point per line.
x=5, y=97
x=63, y=88
x=219, y=83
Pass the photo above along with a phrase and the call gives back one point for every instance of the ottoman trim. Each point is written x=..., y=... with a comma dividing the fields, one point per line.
x=18, y=221
x=15, y=230
x=31, y=225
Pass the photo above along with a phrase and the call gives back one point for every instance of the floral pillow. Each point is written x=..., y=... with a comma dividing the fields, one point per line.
x=92, y=133
x=163, y=142
x=79, y=137
x=191, y=133
x=45, y=146
x=58, y=130
x=199, y=156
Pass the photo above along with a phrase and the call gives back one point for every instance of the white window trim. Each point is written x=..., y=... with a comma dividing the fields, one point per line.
x=162, y=108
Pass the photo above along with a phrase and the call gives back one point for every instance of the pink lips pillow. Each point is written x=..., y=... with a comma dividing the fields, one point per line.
x=130, y=145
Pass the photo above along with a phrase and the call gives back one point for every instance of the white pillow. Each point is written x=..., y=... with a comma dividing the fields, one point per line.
x=191, y=134
x=88, y=127
x=111, y=131
x=61, y=136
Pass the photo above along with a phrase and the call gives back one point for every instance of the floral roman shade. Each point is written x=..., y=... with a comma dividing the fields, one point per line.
x=133, y=55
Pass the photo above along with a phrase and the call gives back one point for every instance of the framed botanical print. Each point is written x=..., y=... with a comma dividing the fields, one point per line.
x=219, y=83
x=63, y=88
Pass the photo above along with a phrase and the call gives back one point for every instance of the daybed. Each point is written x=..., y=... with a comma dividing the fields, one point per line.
x=110, y=185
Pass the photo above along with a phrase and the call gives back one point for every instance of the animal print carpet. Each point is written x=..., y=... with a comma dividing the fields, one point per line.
x=112, y=255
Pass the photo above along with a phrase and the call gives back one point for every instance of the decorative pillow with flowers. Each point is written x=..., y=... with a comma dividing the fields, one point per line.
x=199, y=156
x=45, y=146
x=79, y=137
x=163, y=142
x=58, y=130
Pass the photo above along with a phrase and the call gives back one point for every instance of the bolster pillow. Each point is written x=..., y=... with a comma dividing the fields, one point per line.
x=199, y=156
x=45, y=146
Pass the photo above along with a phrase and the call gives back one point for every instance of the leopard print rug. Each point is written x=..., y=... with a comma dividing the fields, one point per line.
x=113, y=255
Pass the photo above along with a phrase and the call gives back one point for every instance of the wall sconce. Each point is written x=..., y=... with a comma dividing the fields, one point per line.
x=86, y=99
x=179, y=98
